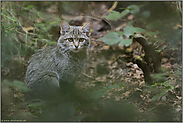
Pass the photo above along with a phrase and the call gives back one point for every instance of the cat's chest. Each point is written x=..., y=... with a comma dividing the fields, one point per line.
x=73, y=64
x=69, y=67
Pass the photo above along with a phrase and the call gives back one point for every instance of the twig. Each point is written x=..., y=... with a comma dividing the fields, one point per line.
x=88, y=76
x=112, y=8
x=100, y=19
x=91, y=77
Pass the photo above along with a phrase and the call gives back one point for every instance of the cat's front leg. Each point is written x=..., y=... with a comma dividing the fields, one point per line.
x=44, y=85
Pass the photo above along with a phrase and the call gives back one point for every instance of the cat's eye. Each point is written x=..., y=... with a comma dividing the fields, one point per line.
x=81, y=39
x=70, y=39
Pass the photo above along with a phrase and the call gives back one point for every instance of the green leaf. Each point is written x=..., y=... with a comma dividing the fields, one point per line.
x=122, y=85
x=138, y=30
x=155, y=84
x=134, y=9
x=151, y=33
x=164, y=91
x=153, y=24
x=168, y=85
x=120, y=33
x=113, y=15
x=20, y=86
x=124, y=13
x=125, y=42
x=17, y=84
x=111, y=38
x=128, y=30
x=156, y=97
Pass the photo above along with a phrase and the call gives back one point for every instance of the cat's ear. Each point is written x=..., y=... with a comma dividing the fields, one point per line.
x=65, y=27
x=86, y=28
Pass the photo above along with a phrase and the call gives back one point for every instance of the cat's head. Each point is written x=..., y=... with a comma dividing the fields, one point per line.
x=74, y=38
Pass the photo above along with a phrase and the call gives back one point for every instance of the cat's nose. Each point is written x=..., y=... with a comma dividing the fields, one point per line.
x=76, y=46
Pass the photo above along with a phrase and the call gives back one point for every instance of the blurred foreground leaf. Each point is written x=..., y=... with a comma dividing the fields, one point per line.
x=17, y=84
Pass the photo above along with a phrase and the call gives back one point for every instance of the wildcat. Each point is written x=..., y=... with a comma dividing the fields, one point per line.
x=56, y=68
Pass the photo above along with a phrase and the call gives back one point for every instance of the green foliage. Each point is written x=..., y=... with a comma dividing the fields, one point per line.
x=117, y=37
x=17, y=84
x=165, y=89
x=112, y=38
x=114, y=15
x=125, y=42
x=134, y=9
x=158, y=96
x=24, y=29
x=129, y=30
x=124, y=13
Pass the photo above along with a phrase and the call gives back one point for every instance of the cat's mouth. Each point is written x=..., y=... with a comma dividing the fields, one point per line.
x=76, y=50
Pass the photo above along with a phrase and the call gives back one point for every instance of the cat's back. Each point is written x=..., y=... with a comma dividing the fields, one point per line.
x=43, y=58
x=40, y=61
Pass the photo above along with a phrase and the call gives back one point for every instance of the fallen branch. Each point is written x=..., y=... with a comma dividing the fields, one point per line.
x=152, y=60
